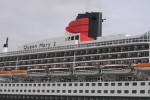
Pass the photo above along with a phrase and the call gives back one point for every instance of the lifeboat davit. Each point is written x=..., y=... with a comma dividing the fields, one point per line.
x=37, y=72
x=86, y=70
x=60, y=71
x=143, y=67
x=116, y=69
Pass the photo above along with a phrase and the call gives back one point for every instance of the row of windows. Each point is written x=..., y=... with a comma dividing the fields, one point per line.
x=78, y=84
x=77, y=91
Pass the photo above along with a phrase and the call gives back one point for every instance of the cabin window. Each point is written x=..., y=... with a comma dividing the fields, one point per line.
x=75, y=91
x=34, y=84
x=92, y=91
x=142, y=83
x=43, y=91
x=81, y=84
x=0, y=90
x=70, y=84
x=98, y=91
x=126, y=84
x=80, y=91
x=119, y=84
x=134, y=91
x=64, y=84
x=134, y=84
x=99, y=84
x=58, y=84
x=118, y=91
x=69, y=91
x=86, y=91
x=43, y=84
x=4, y=90
x=126, y=91
x=33, y=90
x=53, y=84
x=48, y=84
x=75, y=84
x=112, y=91
x=93, y=84
x=112, y=84
x=142, y=91
x=105, y=91
x=30, y=84
x=39, y=84
x=53, y=91
x=48, y=91
x=29, y=90
x=25, y=90
x=63, y=91
x=87, y=84
x=9, y=90
x=106, y=84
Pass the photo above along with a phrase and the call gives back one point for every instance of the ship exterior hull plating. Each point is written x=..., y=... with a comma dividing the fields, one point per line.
x=53, y=97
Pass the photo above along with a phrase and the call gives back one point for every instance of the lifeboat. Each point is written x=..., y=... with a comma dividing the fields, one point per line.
x=86, y=70
x=5, y=72
x=19, y=72
x=37, y=72
x=60, y=71
x=116, y=69
x=143, y=67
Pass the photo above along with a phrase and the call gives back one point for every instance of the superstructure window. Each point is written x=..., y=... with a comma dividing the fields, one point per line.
x=75, y=91
x=134, y=84
x=70, y=84
x=105, y=91
x=142, y=83
x=126, y=91
x=64, y=84
x=106, y=84
x=80, y=91
x=119, y=84
x=118, y=91
x=69, y=91
x=72, y=37
x=87, y=84
x=53, y=91
x=86, y=91
x=112, y=91
x=142, y=91
x=126, y=84
x=93, y=84
x=98, y=91
x=92, y=91
x=112, y=84
x=75, y=84
x=77, y=37
x=134, y=91
x=99, y=84
x=81, y=84
x=63, y=91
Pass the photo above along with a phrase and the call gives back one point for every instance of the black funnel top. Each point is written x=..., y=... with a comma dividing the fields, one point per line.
x=6, y=45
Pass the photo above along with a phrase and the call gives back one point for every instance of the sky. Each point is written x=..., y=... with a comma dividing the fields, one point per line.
x=25, y=21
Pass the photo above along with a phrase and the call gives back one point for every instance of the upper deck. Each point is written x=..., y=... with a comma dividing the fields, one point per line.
x=114, y=40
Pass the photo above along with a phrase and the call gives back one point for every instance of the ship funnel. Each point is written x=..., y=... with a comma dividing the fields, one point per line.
x=5, y=47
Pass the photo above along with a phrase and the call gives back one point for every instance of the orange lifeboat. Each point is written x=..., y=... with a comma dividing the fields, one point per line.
x=16, y=72
x=143, y=67
x=5, y=72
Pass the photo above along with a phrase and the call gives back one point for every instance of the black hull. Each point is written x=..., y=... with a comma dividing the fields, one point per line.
x=48, y=97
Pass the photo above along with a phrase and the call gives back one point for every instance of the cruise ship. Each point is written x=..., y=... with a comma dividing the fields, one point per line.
x=82, y=65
